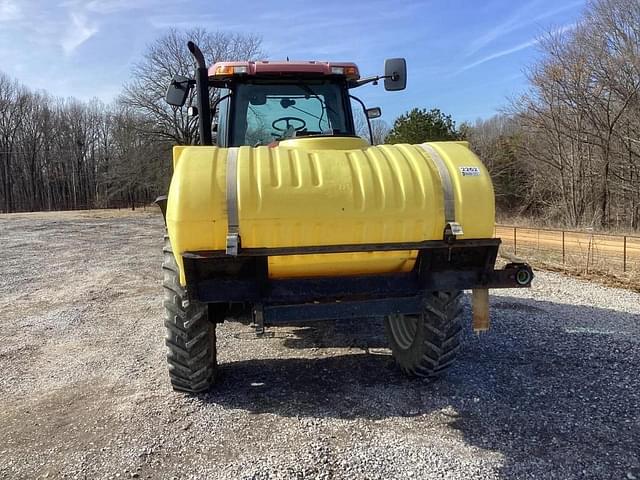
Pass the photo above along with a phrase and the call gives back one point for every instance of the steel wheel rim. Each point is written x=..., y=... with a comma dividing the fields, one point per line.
x=404, y=329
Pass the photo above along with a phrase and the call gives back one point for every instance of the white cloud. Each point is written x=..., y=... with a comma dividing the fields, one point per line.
x=108, y=7
x=192, y=20
x=79, y=32
x=512, y=23
x=514, y=49
x=520, y=19
x=501, y=53
x=9, y=11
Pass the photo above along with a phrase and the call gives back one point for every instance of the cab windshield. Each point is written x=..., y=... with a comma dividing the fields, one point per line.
x=267, y=112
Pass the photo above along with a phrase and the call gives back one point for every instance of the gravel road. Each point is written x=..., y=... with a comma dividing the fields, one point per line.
x=552, y=391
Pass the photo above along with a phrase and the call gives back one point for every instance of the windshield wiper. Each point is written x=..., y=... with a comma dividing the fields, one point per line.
x=311, y=93
x=306, y=113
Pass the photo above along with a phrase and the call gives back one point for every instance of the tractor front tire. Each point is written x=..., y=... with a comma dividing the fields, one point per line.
x=426, y=345
x=190, y=335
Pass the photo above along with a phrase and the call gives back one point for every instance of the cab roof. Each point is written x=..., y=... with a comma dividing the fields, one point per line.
x=284, y=67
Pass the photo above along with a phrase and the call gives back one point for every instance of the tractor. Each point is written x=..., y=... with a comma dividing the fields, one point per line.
x=284, y=214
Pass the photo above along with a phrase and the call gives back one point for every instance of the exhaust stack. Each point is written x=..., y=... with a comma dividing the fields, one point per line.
x=202, y=93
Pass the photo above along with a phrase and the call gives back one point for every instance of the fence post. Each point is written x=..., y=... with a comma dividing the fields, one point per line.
x=624, y=253
x=562, y=247
x=515, y=248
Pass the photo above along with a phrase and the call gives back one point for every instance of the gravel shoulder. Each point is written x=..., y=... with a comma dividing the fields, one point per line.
x=552, y=391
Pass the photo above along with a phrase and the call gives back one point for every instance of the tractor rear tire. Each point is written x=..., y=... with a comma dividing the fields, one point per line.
x=426, y=345
x=190, y=335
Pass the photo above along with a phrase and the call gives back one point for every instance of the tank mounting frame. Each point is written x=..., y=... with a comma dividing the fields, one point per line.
x=215, y=277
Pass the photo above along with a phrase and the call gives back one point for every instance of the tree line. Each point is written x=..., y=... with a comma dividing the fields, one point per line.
x=568, y=151
x=59, y=154
x=66, y=154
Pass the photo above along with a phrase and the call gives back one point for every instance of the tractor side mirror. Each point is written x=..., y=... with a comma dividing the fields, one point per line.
x=178, y=91
x=395, y=74
x=373, y=112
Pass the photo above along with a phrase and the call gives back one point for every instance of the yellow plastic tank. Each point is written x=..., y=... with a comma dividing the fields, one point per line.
x=327, y=191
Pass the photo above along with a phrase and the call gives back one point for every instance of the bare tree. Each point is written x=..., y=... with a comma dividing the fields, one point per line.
x=138, y=162
x=379, y=128
x=580, y=122
x=13, y=101
x=65, y=154
x=168, y=56
x=498, y=141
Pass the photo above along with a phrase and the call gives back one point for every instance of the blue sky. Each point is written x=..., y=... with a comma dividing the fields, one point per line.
x=464, y=57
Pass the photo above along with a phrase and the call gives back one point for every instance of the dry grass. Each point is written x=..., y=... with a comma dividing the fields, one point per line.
x=599, y=272
x=84, y=214
x=607, y=258
x=529, y=222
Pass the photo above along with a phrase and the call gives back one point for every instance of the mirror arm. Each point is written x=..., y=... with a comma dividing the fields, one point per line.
x=374, y=80
x=217, y=102
x=189, y=83
x=364, y=81
x=364, y=109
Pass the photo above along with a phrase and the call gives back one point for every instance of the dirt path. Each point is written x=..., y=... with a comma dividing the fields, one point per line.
x=575, y=243
x=551, y=392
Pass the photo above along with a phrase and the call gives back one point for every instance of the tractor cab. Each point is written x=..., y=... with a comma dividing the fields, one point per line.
x=265, y=102
x=262, y=110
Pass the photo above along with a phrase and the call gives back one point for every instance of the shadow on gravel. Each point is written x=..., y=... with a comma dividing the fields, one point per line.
x=352, y=333
x=552, y=387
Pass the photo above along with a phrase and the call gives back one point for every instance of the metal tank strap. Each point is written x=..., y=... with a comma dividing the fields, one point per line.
x=451, y=223
x=233, y=220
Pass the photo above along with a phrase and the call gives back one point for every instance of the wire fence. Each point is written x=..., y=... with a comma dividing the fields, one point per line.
x=585, y=251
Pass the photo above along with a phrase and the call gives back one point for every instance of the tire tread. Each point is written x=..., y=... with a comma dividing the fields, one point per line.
x=437, y=339
x=190, y=336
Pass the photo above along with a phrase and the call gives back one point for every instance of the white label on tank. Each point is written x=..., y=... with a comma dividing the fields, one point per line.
x=470, y=171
